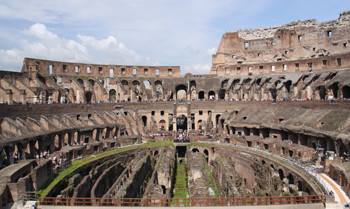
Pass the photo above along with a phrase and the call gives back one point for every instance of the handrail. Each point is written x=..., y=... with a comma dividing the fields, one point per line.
x=181, y=202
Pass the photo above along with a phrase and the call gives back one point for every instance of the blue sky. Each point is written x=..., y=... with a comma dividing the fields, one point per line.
x=182, y=33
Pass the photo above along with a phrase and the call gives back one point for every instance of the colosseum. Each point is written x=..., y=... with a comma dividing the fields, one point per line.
x=270, y=120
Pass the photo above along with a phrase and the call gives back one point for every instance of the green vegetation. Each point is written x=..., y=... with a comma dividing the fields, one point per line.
x=180, y=187
x=70, y=171
x=212, y=185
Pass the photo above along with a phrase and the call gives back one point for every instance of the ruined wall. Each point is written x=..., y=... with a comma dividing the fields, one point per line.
x=297, y=46
x=65, y=68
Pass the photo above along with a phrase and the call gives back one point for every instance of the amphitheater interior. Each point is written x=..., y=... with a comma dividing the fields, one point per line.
x=273, y=111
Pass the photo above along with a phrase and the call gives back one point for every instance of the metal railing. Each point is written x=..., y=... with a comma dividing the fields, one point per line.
x=181, y=202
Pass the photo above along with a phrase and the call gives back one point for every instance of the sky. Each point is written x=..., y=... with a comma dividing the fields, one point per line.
x=183, y=33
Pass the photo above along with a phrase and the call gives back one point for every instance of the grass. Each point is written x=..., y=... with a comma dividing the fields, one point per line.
x=70, y=171
x=212, y=185
x=180, y=187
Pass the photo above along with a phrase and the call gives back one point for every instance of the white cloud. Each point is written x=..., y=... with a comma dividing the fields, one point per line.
x=210, y=52
x=88, y=49
x=197, y=69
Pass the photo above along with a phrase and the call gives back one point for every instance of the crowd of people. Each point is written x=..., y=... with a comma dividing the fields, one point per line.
x=161, y=100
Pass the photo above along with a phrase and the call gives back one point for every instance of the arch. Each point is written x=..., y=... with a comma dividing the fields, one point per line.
x=147, y=84
x=195, y=150
x=258, y=81
x=272, y=166
x=162, y=125
x=217, y=120
x=300, y=186
x=75, y=137
x=322, y=92
x=290, y=178
x=181, y=122
x=334, y=89
x=200, y=125
x=224, y=83
x=181, y=91
x=92, y=82
x=156, y=153
x=57, y=142
x=42, y=80
x=222, y=93
x=66, y=139
x=206, y=152
x=159, y=93
x=144, y=120
x=163, y=189
x=201, y=95
x=112, y=95
x=287, y=85
x=281, y=174
x=135, y=82
x=88, y=96
x=193, y=84
x=124, y=82
x=233, y=130
x=346, y=92
x=80, y=81
x=246, y=131
x=211, y=95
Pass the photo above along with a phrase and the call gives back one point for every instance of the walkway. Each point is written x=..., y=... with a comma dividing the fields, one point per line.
x=340, y=197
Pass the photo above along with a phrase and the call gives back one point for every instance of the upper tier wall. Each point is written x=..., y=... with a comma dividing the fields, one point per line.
x=53, y=109
x=296, y=41
x=67, y=68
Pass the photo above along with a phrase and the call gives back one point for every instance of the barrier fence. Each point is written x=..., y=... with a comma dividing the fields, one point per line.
x=181, y=202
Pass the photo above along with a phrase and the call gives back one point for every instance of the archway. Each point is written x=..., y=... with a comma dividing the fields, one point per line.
x=88, y=96
x=144, y=120
x=322, y=92
x=334, y=88
x=92, y=82
x=195, y=150
x=181, y=92
x=162, y=125
x=201, y=95
x=222, y=93
x=181, y=122
x=280, y=172
x=112, y=95
x=211, y=95
x=346, y=92
x=80, y=81
x=217, y=120
x=290, y=178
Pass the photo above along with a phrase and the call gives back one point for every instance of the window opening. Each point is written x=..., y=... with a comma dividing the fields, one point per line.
x=145, y=71
x=157, y=71
x=50, y=69
x=272, y=68
x=300, y=38
x=161, y=112
x=111, y=73
x=77, y=69
x=99, y=69
x=246, y=44
x=153, y=112
x=123, y=71
x=200, y=112
x=88, y=69
x=329, y=33
x=134, y=71
x=339, y=61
